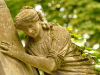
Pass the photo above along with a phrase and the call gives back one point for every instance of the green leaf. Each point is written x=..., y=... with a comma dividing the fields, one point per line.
x=69, y=28
x=84, y=54
x=75, y=35
x=87, y=48
x=94, y=53
x=97, y=66
x=41, y=72
x=97, y=59
x=81, y=48
x=78, y=42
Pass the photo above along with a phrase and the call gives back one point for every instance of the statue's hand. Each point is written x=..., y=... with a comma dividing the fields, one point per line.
x=9, y=51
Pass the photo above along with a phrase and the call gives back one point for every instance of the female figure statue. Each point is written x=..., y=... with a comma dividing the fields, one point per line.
x=49, y=47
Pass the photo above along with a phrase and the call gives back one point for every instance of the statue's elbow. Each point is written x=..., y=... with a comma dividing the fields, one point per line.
x=52, y=67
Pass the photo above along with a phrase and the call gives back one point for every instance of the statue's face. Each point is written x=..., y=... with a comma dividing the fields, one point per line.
x=33, y=29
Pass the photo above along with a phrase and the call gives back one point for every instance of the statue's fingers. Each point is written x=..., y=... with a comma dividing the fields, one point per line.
x=6, y=52
x=4, y=47
x=3, y=51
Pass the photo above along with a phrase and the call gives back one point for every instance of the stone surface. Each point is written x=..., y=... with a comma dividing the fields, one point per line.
x=10, y=39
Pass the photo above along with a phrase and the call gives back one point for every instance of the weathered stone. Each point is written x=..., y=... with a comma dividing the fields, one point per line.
x=10, y=39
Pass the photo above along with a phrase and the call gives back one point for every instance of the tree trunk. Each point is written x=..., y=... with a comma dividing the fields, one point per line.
x=10, y=38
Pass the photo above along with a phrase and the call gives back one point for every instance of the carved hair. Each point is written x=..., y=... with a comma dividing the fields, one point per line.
x=27, y=15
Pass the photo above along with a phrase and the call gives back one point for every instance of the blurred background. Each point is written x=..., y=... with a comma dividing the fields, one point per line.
x=83, y=16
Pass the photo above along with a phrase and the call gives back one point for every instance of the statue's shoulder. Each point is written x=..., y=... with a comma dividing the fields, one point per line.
x=60, y=31
x=60, y=36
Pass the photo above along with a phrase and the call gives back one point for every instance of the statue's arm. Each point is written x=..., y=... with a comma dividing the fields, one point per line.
x=45, y=64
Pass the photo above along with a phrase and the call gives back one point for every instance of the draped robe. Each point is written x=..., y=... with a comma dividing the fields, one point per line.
x=69, y=59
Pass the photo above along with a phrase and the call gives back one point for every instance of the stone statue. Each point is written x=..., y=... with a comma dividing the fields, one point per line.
x=10, y=39
x=49, y=47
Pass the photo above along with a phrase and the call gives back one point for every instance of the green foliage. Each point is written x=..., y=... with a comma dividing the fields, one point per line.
x=80, y=41
x=76, y=36
x=22, y=34
x=97, y=66
x=88, y=51
x=69, y=29
x=41, y=72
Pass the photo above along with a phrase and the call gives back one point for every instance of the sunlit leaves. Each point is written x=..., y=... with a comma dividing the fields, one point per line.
x=79, y=42
x=69, y=28
x=78, y=39
x=92, y=53
x=97, y=66
x=77, y=36
x=89, y=49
